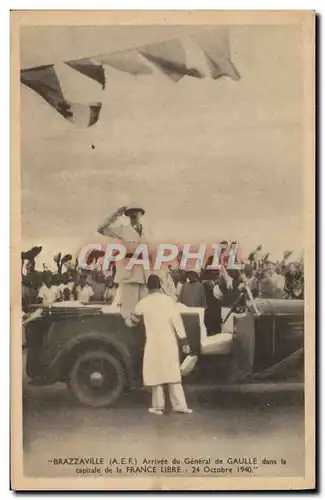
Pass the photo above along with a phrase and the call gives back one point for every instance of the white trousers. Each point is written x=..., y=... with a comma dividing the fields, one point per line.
x=130, y=294
x=176, y=394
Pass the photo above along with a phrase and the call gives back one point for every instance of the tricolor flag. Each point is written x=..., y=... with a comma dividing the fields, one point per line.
x=90, y=68
x=169, y=57
x=129, y=61
x=216, y=47
x=45, y=82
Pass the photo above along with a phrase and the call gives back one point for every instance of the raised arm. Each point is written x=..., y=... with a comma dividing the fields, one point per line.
x=105, y=228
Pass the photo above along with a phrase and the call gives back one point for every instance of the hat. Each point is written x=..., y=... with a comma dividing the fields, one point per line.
x=57, y=257
x=188, y=364
x=31, y=254
x=66, y=258
x=134, y=207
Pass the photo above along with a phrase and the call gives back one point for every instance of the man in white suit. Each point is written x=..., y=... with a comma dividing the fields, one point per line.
x=161, y=365
x=132, y=282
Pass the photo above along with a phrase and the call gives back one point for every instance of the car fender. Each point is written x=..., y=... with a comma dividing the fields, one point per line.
x=58, y=368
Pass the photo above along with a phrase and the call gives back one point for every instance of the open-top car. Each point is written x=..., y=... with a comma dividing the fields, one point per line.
x=90, y=348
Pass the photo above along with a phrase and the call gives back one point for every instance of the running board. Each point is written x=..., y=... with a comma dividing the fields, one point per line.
x=249, y=388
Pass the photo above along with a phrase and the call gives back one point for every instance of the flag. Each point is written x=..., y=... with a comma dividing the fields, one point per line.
x=129, y=61
x=286, y=254
x=89, y=68
x=45, y=82
x=57, y=257
x=81, y=115
x=215, y=45
x=170, y=58
x=167, y=56
x=266, y=256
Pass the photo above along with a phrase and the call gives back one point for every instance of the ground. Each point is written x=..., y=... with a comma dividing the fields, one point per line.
x=263, y=425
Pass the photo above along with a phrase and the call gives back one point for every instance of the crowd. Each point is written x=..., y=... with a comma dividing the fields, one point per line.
x=48, y=287
x=210, y=289
x=263, y=277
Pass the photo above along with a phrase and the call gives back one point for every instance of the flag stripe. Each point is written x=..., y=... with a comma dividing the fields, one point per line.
x=127, y=61
x=222, y=68
x=215, y=45
x=44, y=81
x=94, y=114
x=169, y=57
x=89, y=68
x=82, y=115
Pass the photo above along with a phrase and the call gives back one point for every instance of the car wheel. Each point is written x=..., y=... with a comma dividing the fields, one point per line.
x=96, y=378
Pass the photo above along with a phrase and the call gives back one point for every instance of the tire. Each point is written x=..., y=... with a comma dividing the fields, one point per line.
x=96, y=379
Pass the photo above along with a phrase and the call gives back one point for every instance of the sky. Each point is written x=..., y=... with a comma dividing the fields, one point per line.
x=208, y=160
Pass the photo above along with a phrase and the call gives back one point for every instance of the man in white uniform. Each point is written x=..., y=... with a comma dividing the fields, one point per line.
x=132, y=282
x=163, y=324
x=66, y=286
x=167, y=283
x=48, y=293
x=83, y=292
x=277, y=281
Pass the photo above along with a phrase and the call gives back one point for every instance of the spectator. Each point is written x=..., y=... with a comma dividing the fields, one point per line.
x=29, y=291
x=294, y=282
x=277, y=280
x=82, y=291
x=66, y=287
x=110, y=292
x=212, y=314
x=192, y=293
x=249, y=277
x=99, y=286
x=266, y=288
x=167, y=284
x=182, y=278
x=48, y=292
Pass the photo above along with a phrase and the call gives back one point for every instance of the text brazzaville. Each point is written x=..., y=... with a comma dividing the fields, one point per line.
x=153, y=258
